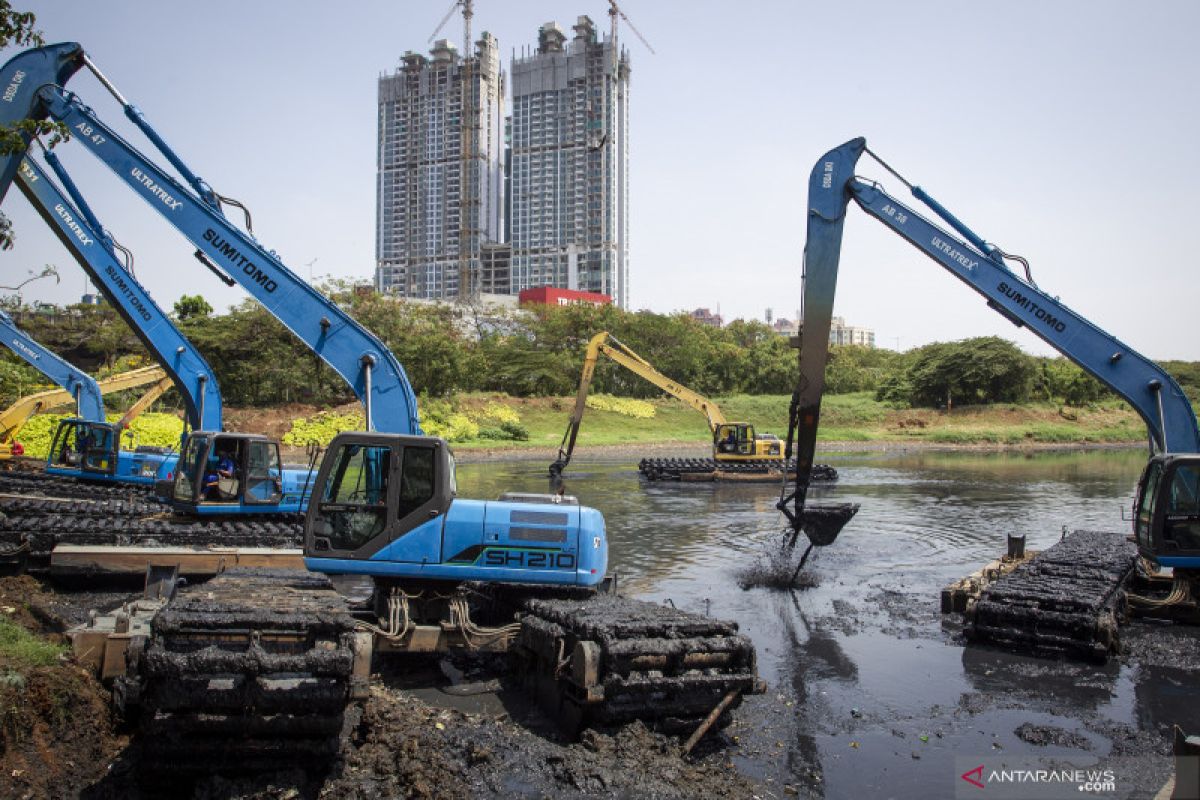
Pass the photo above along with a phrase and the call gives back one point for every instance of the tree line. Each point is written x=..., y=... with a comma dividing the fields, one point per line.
x=447, y=350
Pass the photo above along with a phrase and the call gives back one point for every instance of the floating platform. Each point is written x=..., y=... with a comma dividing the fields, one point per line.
x=700, y=470
x=1066, y=600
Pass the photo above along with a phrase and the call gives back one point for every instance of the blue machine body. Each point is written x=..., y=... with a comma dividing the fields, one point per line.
x=368, y=541
x=81, y=233
x=475, y=541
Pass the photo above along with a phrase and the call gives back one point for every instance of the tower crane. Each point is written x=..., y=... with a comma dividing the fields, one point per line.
x=467, y=214
x=615, y=11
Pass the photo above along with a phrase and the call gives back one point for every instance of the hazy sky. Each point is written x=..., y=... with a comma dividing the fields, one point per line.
x=1066, y=132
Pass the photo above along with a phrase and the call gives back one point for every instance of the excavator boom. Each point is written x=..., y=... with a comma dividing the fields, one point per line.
x=606, y=343
x=1148, y=388
x=81, y=233
x=13, y=418
x=75, y=382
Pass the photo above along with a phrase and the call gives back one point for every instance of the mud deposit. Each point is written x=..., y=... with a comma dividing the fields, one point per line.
x=872, y=693
x=56, y=737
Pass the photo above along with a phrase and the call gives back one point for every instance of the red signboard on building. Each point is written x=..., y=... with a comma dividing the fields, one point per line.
x=551, y=296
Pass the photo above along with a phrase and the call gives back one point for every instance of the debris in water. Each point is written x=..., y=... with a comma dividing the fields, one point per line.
x=775, y=568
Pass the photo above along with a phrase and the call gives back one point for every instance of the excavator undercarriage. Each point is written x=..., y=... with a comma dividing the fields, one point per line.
x=256, y=669
x=1071, y=599
x=708, y=469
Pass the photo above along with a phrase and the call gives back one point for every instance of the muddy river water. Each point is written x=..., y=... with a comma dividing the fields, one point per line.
x=872, y=693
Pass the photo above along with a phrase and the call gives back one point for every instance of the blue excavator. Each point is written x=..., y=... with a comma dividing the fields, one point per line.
x=85, y=445
x=1034, y=605
x=258, y=667
x=258, y=483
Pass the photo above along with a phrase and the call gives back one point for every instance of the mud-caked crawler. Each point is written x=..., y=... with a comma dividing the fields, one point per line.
x=1066, y=600
x=709, y=469
x=251, y=671
x=607, y=660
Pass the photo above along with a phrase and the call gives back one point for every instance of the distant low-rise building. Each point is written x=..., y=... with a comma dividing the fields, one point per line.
x=554, y=296
x=706, y=317
x=841, y=333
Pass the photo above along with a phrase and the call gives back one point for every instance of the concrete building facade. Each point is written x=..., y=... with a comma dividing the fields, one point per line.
x=841, y=333
x=568, y=164
x=440, y=183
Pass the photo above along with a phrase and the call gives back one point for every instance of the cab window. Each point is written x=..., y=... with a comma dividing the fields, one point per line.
x=1181, y=524
x=1185, y=499
x=264, y=476
x=416, y=480
x=353, y=505
x=187, y=473
x=65, y=448
x=98, y=447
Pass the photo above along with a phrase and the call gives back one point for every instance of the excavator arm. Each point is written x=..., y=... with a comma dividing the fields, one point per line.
x=1148, y=388
x=33, y=80
x=161, y=387
x=75, y=382
x=85, y=238
x=606, y=343
x=13, y=418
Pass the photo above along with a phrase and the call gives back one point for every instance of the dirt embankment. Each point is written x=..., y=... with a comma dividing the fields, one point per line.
x=56, y=734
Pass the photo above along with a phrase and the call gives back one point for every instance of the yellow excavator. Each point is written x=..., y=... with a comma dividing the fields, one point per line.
x=13, y=418
x=738, y=451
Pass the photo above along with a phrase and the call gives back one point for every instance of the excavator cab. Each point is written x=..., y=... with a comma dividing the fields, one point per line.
x=372, y=491
x=734, y=439
x=231, y=473
x=84, y=448
x=386, y=505
x=92, y=451
x=1166, y=518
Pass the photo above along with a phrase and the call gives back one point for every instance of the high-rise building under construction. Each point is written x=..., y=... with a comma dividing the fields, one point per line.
x=568, y=164
x=440, y=183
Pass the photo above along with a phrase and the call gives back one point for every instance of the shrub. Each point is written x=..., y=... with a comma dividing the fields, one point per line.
x=625, y=406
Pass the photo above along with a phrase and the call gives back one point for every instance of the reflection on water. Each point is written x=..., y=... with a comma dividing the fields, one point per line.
x=863, y=656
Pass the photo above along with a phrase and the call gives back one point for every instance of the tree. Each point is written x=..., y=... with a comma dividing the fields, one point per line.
x=1061, y=380
x=192, y=306
x=985, y=369
x=17, y=28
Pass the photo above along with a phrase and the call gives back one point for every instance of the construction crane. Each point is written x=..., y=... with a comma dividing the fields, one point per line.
x=615, y=11
x=467, y=214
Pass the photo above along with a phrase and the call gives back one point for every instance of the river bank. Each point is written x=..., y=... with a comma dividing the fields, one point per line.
x=849, y=423
x=469, y=454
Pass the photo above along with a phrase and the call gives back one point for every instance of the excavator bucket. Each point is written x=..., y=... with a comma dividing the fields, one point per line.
x=822, y=523
x=20, y=80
